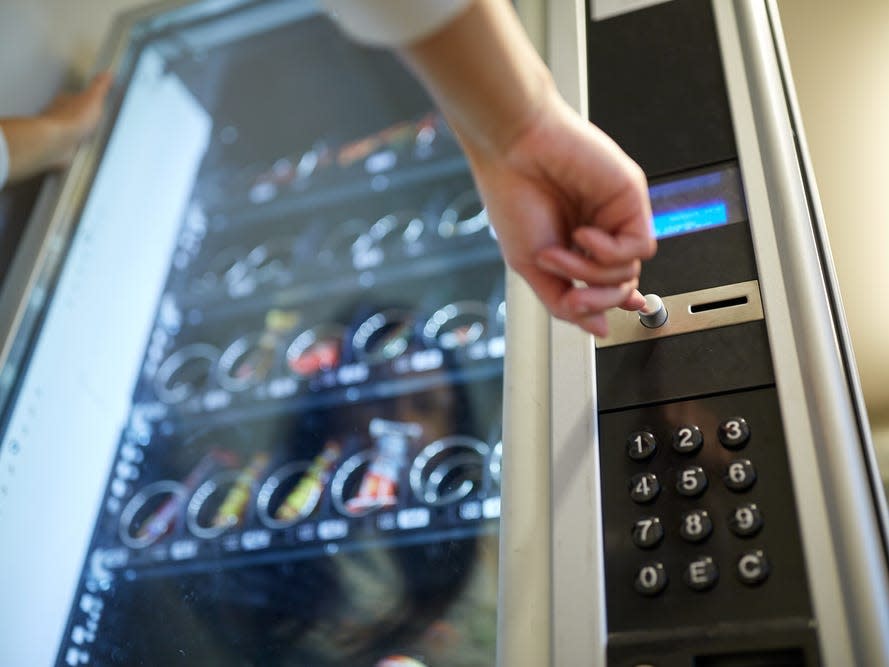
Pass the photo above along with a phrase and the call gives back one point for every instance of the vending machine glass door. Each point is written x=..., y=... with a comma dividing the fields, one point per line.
x=257, y=420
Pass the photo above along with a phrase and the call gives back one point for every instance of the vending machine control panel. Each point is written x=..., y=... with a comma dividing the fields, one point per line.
x=700, y=524
x=703, y=563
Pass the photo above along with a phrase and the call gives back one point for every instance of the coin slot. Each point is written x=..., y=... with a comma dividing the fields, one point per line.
x=716, y=305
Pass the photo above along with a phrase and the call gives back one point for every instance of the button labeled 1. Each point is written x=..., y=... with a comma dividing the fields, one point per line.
x=641, y=445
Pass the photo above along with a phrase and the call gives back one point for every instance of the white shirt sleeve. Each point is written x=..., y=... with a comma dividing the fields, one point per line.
x=393, y=22
x=4, y=160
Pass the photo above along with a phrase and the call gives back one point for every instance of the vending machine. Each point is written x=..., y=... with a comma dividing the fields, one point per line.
x=258, y=405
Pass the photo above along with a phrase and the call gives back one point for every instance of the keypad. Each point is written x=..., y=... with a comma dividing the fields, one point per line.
x=703, y=529
x=695, y=525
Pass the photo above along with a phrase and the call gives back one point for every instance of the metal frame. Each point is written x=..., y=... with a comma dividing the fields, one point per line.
x=840, y=522
x=53, y=222
x=578, y=627
x=524, y=607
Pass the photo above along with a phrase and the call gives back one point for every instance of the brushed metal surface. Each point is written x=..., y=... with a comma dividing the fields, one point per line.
x=684, y=314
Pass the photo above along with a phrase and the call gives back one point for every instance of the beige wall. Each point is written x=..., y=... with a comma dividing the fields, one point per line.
x=47, y=44
x=839, y=53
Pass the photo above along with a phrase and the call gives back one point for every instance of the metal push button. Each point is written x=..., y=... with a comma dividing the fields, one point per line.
x=648, y=532
x=691, y=481
x=745, y=520
x=740, y=475
x=734, y=433
x=701, y=574
x=651, y=578
x=753, y=567
x=644, y=487
x=641, y=445
x=687, y=439
x=654, y=313
x=695, y=526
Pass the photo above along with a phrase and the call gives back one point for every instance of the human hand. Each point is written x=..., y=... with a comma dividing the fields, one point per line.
x=571, y=212
x=74, y=116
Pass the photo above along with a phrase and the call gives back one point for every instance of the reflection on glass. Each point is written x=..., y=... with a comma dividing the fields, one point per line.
x=308, y=474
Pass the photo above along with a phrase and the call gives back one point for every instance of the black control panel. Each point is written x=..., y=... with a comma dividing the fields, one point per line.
x=701, y=520
x=703, y=558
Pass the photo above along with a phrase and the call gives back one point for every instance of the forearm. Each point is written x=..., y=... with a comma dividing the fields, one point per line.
x=35, y=144
x=484, y=74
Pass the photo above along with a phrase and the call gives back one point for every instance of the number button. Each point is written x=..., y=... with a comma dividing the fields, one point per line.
x=648, y=532
x=651, y=578
x=696, y=526
x=644, y=487
x=753, y=567
x=687, y=439
x=692, y=481
x=740, y=475
x=734, y=433
x=701, y=574
x=746, y=520
x=641, y=445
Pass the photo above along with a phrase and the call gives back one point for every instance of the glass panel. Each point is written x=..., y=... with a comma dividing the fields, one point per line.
x=263, y=410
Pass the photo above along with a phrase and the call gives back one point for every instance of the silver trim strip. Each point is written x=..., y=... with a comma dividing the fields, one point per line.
x=579, y=633
x=683, y=315
x=846, y=569
x=830, y=277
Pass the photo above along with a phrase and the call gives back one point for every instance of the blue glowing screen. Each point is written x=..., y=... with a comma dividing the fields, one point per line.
x=694, y=203
x=690, y=219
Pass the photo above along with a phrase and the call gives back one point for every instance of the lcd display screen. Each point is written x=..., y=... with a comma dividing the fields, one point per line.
x=699, y=201
x=260, y=422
